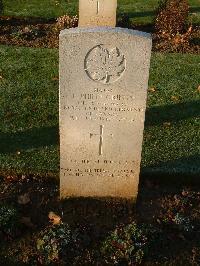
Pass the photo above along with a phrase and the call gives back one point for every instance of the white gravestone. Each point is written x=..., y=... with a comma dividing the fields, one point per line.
x=97, y=13
x=103, y=88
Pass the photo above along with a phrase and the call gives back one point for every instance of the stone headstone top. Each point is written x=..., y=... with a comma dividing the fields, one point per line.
x=97, y=13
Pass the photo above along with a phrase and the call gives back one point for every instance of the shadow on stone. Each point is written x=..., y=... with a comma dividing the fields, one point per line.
x=102, y=214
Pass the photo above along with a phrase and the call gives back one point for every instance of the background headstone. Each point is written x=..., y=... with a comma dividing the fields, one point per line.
x=103, y=88
x=97, y=13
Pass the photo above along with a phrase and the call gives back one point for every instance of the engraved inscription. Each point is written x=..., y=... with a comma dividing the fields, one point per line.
x=105, y=65
x=102, y=167
x=102, y=106
x=99, y=171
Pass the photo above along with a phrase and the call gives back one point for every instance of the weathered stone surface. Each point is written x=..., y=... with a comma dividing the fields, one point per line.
x=97, y=13
x=103, y=88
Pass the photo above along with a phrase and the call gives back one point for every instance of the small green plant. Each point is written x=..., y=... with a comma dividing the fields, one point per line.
x=176, y=216
x=179, y=222
x=55, y=243
x=127, y=244
x=17, y=34
x=8, y=220
x=27, y=33
x=183, y=223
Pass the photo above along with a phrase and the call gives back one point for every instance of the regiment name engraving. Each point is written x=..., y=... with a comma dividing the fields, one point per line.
x=102, y=107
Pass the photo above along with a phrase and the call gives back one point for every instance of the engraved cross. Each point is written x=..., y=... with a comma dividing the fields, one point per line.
x=101, y=134
x=98, y=6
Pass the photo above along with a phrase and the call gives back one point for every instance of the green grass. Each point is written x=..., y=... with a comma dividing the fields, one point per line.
x=29, y=109
x=173, y=147
x=40, y=8
x=140, y=11
x=29, y=112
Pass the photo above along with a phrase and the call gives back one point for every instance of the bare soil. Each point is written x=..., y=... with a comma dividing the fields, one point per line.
x=157, y=205
x=36, y=32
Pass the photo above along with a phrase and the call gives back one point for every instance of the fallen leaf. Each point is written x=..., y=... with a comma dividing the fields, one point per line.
x=198, y=89
x=23, y=177
x=151, y=89
x=11, y=178
x=24, y=199
x=166, y=124
x=175, y=98
x=54, y=218
x=1, y=77
x=185, y=193
x=55, y=78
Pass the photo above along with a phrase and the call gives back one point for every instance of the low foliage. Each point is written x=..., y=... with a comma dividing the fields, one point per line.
x=127, y=244
x=8, y=220
x=172, y=16
x=54, y=243
x=183, y=223
x=178, y=222
x=176, y=216
x=27, y=33
x=171, y=25
x=173, y=240
x=66, y=22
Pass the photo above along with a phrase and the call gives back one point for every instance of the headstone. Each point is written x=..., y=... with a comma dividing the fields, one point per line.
x=103, y=88
x=97, y=13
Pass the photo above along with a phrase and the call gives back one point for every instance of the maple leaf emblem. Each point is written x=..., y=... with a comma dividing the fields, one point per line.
x=105, y=65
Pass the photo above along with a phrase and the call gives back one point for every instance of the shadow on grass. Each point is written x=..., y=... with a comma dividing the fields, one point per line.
x=19, y=21
x=30, y=139
x=185, y=170
x=152, y=13
x=172, y=113
x=138, y=14
x=195, y=9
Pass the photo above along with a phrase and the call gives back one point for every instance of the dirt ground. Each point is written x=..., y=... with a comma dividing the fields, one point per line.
x=36, y=32
x=157, y=204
